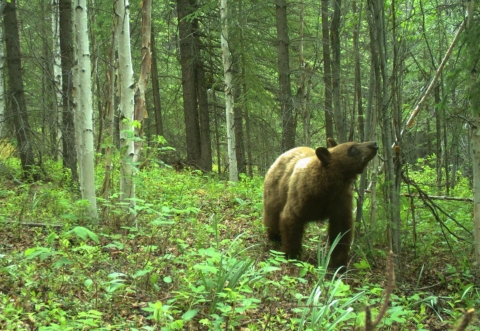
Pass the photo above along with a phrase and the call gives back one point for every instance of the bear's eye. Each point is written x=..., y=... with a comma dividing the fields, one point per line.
x=352, y=151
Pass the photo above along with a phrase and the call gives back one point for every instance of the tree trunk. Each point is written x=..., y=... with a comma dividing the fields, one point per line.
x=57, y=73
x=126, y=83
x=472, y=47
x=83, y=109
x=2, y=83
x=140, y=110
x=66, y=48
x=335, y=44
x=285, y=94
x=157, y=105
x=379, y=56
x=327, y=73
x=227, y=72
x=358, y=76
x=245, y=100
x=16, y=91
x=109, y=122
x=238, y=124
x=187, y=61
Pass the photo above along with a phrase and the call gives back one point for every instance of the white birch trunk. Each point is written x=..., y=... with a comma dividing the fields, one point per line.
x=2, y=85
x=227, y=72
x=126, y=91
x=83, y=107
x=57, y=71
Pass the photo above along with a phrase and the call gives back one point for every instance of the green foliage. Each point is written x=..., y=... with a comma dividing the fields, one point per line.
x=198, y=259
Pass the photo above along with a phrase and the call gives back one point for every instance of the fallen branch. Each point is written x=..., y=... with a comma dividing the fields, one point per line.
x=36, y=225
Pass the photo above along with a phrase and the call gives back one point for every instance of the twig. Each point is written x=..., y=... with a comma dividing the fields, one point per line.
x=467, y=318
x=369, y=325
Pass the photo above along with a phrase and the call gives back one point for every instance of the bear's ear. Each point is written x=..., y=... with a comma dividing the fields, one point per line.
x=323, y=154
x=331, y=142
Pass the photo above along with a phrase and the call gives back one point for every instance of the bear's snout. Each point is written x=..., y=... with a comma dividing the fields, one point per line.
x=374, y=145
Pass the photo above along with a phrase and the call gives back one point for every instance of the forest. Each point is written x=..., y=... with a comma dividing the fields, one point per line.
x=135, y=139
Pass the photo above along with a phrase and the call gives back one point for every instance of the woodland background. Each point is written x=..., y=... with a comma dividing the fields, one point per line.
x=187, y=249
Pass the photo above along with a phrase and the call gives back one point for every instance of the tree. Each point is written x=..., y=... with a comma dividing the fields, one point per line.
x=57, y=71
x=83, y=109
x=227, y=71
x=140, y=107
x=187, y=60
x=473, y=57
x=284, y=93
x=336, y=91
x=2, y=85
x=126, y=106
x=327, y=71
x=157, y=105
x=16, y=90
x=379, y=55
x=66, y=49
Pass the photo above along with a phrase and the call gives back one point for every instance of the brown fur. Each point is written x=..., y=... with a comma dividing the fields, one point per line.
x=305, y=185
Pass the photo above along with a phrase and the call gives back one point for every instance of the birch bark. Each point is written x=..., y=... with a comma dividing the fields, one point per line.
x=83, y=108
x=126, y=91
x=227, y=72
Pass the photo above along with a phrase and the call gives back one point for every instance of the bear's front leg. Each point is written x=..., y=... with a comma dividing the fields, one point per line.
x=291, y=229
x=341, y=224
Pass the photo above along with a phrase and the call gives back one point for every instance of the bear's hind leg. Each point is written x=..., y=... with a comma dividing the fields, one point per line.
x=292, y=230
x=271, y=220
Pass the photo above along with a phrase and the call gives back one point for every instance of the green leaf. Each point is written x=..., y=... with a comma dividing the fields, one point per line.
x=189, y=314
x=84, y=233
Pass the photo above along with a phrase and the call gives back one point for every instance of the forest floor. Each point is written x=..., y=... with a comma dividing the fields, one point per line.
x=199, y=260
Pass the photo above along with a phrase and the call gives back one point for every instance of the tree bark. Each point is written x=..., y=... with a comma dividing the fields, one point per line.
x=358, y=76
x=3, y=90
x=126, y=84
x=16, y=91
x=66, y=49
x=157, y=104
x=285, y=94
x=83, y=109
x=57, y=72
x=187, y=62
x=109, y=122
x=238, y=125
x=340, y=122
x=227, y=72
x=140, y=110
x=327, y=73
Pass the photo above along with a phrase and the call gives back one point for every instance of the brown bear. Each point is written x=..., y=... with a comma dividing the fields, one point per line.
x=305, y=185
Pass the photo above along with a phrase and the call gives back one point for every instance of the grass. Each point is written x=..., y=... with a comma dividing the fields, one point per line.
x=199, y=260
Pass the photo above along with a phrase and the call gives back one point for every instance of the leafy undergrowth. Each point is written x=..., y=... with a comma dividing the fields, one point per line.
x=197, y=259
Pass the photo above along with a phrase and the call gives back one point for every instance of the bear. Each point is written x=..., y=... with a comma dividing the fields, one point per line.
x=305, y=185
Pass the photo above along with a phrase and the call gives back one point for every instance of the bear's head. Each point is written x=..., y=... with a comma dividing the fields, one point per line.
x=349, y=157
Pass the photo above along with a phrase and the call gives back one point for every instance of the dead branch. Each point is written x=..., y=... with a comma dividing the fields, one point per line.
x=417, y=109
x=433, y=197
x=467, y=318
x=36, y=225
x=434, y=207
x=438, y=197
x=369, y=325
